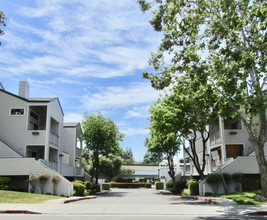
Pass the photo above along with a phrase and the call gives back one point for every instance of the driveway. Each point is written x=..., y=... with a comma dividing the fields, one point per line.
x=147, y=202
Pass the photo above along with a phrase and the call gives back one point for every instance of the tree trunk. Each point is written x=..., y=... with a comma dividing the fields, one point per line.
x=172, y=171
x=258, y=141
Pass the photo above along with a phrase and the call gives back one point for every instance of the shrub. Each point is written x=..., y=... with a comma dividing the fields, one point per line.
x=180, y=186
x=193, y=186
x=96, y=188
x=88, y=185
x=106, y=186
x=213, y=180
x=42, y=179
x=237, y=178
x=127, y=185
x=4, y=183
x=55, y=181
x=33, y=180
x=159, y=186
x=148, y=185
x=79, y=188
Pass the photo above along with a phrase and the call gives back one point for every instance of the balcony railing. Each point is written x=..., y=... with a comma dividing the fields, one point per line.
x=215, y=138
x=53, y=139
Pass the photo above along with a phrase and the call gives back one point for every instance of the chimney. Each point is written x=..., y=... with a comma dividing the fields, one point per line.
x=24, y=89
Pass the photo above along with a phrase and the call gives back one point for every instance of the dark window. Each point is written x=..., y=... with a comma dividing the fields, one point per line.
x=17, y=111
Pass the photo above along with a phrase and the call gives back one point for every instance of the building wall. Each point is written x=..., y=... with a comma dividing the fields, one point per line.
x=69, y=141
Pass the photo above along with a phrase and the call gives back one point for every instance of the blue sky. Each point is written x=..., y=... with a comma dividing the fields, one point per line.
x=89, y=53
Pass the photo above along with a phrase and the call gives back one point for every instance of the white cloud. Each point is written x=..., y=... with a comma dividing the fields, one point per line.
x=95, y=38
x=120, y=97
x=73, y=117
x=134, y=131
x=138, y=112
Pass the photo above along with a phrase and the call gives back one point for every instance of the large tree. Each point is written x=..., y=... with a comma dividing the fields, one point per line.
x=110, y=166
x=101, y=137
x=127, y=156
x=227, y=38
x=164, y=140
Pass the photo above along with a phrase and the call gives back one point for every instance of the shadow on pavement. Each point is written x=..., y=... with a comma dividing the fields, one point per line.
x=114, y=194
x=239, y=212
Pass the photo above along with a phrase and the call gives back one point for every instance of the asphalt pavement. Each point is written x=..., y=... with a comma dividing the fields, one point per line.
x=135, y=202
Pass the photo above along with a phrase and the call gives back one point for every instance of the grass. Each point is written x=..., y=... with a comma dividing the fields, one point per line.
x=246, y=198
x=22, y=197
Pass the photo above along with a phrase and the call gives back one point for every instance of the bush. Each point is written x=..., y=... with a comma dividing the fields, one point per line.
x=79, y=188
x=213, y=180
x=180, y=186
x=193, y=187
x=148, y=185
x=127, y=185
x=33, y=180
x=42, y=179
x=55, y=181
x=4, y=183
x=159, y=186
x=106, y=186
x=88, y=185
x=96, y=188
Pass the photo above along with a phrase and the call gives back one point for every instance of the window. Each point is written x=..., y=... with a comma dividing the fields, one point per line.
x=17, y=111
x=234, y=123
x=34, y=116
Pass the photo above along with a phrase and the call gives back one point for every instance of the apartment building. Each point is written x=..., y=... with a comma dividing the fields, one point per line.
x=34, y=138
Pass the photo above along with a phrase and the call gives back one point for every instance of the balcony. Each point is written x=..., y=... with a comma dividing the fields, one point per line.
x=215, y=138
x=53, y=139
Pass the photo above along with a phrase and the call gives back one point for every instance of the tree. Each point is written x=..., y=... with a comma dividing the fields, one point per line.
x=151, y=159
x=101, y=137
x=2, y=22
x=127, y=156
x=163, y=141
x=227, y=38
x=110, y=166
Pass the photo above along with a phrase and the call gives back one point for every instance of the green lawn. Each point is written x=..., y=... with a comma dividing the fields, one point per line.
x=21, y=197
x=245, y=198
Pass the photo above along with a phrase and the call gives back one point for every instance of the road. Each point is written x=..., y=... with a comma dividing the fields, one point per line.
x=129, y=204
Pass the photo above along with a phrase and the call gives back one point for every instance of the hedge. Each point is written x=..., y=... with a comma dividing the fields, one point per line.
x=105, y=186
x=159, y=186
x=127, y=185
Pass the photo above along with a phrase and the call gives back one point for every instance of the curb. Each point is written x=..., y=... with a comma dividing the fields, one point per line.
x=205, y=199
x=18, y=212
x=78, y=199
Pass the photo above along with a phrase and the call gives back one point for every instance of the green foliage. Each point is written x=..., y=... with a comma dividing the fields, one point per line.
x=127, y=156
x=4, y=183
x=102, y=137
x=246, y=198
x=214, y=179
x=96, y=187
x=237, y=178
x=88, y=185
x=193, y=186
x=55, y=181
x=79, y=188
x=106, y=186
x=127, y=185
x=220, y=46
x=159, y=185
x=33, y=180
x=2, y=22
x=110, y=166
x=42, y=179
x=250, y=183
x=148, y=185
